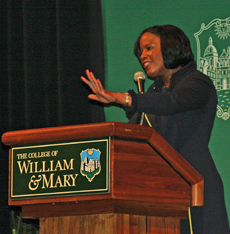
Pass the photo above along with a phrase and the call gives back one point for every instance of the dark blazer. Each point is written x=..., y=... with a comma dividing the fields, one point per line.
x=184, y=115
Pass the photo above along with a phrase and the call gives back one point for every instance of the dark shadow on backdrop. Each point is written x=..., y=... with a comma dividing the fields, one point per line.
x=45, y=47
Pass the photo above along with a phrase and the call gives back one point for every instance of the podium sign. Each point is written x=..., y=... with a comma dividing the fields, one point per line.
x=59, y=169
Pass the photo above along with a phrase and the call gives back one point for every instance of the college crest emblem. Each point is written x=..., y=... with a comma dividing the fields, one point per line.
x=90, y=163
x=213, y=59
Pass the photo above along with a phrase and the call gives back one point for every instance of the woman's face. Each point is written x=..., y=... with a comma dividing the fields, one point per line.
x=151, y=56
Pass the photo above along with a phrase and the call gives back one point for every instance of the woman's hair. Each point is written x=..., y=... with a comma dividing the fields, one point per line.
x=175, y=45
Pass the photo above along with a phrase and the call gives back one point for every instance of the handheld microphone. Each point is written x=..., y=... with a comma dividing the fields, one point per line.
x=139, y=77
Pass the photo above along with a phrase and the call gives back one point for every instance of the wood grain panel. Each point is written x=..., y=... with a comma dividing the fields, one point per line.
x=159, y=225
x=109, y=224
x=141, y=174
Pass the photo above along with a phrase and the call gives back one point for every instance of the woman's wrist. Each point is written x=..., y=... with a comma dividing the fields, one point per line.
x=126, y=99
x=123, y=99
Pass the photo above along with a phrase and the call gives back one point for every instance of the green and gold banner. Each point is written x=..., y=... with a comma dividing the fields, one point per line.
x=59, y=169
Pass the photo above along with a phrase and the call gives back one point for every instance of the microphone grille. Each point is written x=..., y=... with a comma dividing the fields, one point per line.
x=139, y=75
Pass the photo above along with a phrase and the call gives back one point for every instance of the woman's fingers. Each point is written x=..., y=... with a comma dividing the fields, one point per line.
x=92, y=82
x=88, y=82
x=100, y=94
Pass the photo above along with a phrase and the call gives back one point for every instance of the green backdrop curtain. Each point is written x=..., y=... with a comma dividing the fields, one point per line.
x=46, y=46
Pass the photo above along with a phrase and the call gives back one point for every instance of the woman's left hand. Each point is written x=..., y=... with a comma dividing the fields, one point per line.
x=100, y=94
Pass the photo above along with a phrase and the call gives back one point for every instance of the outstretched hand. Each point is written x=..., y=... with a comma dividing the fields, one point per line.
x=100, y=94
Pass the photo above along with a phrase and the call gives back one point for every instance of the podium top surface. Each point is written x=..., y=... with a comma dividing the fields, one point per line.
x=82, y=131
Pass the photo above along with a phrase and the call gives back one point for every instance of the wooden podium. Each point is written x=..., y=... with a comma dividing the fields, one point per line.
x=150, y=186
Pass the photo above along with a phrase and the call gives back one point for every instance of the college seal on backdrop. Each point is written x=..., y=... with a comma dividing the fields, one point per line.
x=213, y=59
x=90, y=163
